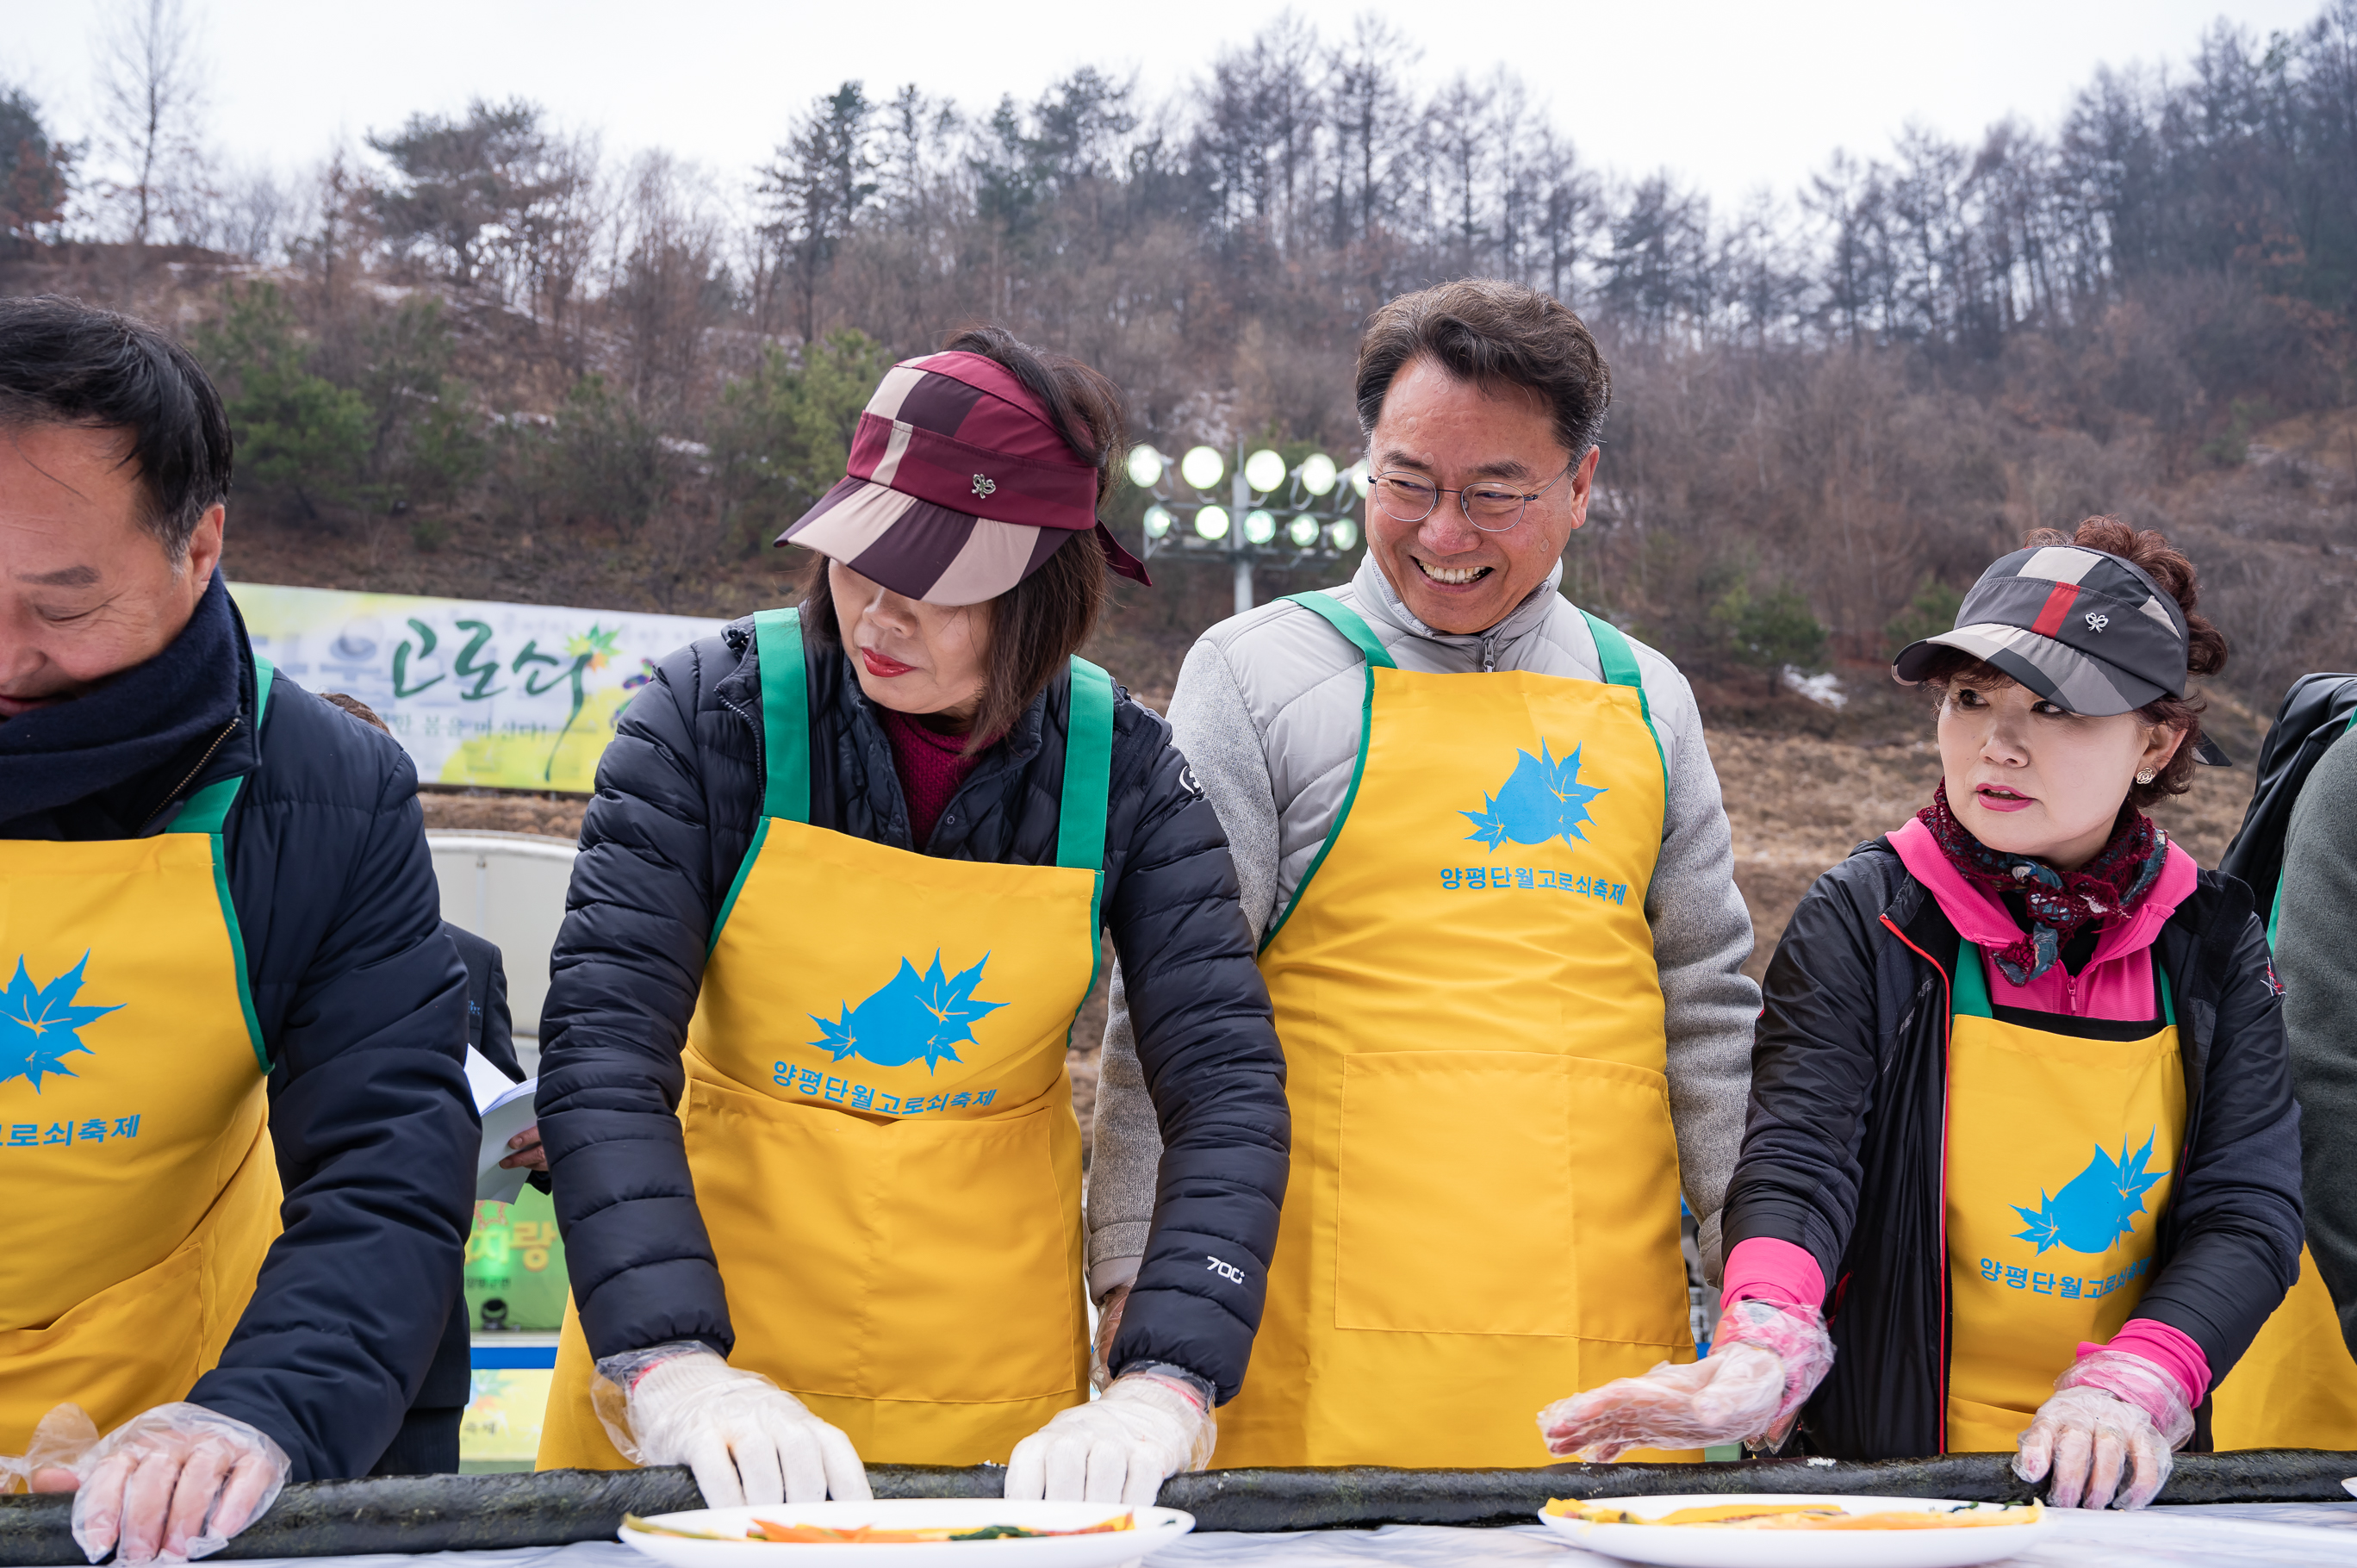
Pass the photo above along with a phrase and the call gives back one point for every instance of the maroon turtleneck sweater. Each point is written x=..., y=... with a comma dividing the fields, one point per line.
x=930, y=765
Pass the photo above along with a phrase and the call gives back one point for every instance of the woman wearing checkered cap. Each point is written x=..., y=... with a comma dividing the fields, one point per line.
x=2022, y=1164
x=840, y=896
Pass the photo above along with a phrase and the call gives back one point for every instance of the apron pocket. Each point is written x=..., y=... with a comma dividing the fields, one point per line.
x=1506, y=1192
x=907, y=1259
x=1454, y=1213
x=1977, y=1428
x=1624, y=1182
x=135, y=1344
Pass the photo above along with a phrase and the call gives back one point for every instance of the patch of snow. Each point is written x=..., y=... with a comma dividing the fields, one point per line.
x=1820, y=1461
x=1823, y=689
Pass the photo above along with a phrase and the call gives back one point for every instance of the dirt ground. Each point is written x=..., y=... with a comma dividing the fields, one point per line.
x=1798, y=804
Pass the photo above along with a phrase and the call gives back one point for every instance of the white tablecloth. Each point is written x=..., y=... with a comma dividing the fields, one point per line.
x=2300, y=1534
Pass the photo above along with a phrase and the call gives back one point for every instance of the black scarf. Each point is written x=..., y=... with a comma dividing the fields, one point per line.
x=135, y=723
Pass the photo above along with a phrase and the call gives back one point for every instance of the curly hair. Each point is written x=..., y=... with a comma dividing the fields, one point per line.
x=2205, y=652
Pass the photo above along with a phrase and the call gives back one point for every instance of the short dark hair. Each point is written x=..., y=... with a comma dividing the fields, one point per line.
x=1491, y=332
x=64, y=362
x=1038, y=624
x=2205, y=652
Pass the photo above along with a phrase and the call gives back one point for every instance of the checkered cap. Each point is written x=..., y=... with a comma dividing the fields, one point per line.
x=2084, y=629
x=959, y=487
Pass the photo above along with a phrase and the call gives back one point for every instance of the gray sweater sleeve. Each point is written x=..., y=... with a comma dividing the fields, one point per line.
x=2319, y=932
x=1702, y=934
x=1213, y=728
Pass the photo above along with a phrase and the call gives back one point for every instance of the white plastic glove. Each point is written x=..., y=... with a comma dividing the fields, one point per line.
x=1118, y=1449
x=172, y=1484
x=63, y=1436
x=1765, y=1361
x=747, y=1440
x=2111, y=1412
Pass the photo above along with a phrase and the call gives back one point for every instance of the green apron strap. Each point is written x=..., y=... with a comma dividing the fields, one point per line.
x=1619, y=662
x=785, y=717
x=1088, y=770
x=208, y=809
x=1612, y=650
x=1971, y=989
x=2168, y=991
x=1081, y=814
x=1347, y=622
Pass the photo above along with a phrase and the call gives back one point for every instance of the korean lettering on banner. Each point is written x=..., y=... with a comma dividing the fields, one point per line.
x=519, y=696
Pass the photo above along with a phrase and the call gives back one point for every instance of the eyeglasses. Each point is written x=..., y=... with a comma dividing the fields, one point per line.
x=1491, y=507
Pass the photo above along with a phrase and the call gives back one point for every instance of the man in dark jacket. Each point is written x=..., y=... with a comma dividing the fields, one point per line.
x=281, y=1003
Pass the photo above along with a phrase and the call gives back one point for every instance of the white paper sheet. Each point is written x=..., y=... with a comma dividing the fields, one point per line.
x=506, y=1109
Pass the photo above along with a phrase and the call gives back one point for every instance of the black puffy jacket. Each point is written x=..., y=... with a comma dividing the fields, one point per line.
x=362, y=1004
x=1843, y=1151
x=679, y=797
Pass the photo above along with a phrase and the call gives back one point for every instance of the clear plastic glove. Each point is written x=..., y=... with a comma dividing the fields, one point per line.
x=2113, y=1413
x=172, y=1484
x=1765, y=1361
x=1118, y=1449
x=747, y=1440
x=63, y=1436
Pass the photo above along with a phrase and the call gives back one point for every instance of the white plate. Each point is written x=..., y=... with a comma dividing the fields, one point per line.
x=1157, y=1528
x=1799, y=1548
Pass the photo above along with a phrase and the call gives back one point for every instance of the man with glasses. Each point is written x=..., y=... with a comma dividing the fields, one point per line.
x=1482, y=846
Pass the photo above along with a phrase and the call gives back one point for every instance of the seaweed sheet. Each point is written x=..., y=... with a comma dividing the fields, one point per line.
x=553, y=1507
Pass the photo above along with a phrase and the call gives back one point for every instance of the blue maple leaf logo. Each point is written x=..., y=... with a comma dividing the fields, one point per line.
x=913, y=1015
x=1542, y=800
x=41, y=1026
x=2095, y=1208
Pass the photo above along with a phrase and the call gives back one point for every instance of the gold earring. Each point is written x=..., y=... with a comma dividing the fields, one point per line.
x=2146, y=776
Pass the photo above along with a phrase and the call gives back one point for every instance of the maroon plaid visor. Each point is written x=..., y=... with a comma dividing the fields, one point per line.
x=959, y=487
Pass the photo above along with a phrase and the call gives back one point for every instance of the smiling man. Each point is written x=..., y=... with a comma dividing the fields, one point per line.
x=234, y=1131
x=1481, y=843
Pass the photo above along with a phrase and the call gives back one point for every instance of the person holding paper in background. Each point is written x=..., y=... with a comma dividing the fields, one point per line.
x=428, y=1442
x=229, y=1004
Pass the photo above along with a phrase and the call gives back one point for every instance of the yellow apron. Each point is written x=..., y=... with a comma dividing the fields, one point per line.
x=2062, y=1151
x=879, y=1120
x=1482, y=1214
x=135, y=1143
x=2296, y=1387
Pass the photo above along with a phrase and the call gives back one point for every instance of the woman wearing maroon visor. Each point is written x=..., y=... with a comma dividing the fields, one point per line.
x=2022, y=1165
x=839, y=898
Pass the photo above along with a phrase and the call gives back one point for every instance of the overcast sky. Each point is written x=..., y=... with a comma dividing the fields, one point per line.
x=1732, y=96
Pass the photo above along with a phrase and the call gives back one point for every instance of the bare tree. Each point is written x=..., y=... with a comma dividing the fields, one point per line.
x=151, y=94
